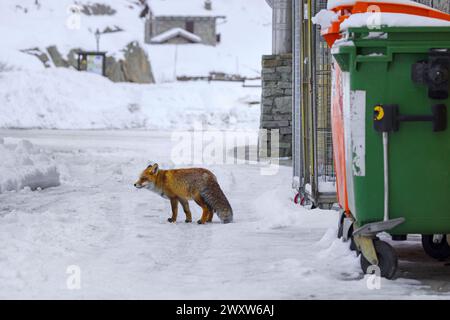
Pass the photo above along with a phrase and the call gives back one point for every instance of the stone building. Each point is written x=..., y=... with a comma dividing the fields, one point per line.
x=182, y=22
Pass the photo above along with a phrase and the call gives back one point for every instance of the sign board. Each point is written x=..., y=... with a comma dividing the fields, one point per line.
x=93, y=62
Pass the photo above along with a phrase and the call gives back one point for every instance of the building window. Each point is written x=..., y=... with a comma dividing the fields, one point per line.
x=190, y=26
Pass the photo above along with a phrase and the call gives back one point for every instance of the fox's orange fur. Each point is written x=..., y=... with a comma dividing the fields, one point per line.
x=182, y=185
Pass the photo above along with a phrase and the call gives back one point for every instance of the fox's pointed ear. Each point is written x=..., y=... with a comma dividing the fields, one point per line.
x=155, y=168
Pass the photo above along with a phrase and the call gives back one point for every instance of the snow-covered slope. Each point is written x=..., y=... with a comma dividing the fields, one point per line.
x=65, y=99
x=246, y=34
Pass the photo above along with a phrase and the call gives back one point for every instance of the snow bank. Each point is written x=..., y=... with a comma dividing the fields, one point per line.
x=183, y=8
x=23, y=165
x=66, y=99
x=277, y=210
x=15, y=60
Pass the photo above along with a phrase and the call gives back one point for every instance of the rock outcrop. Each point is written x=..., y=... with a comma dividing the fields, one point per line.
x=98, y=9
x=134, y=67
x=56, y=57
x=42, y=56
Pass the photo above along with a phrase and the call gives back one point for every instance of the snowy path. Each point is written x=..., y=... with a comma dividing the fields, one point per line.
x=120, y=239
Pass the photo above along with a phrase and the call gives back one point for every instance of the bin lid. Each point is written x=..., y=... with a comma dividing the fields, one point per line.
x=345, y=8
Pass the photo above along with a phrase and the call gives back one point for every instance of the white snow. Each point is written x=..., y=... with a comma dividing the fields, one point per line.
x=118, y=237
x=16, y=60
x=245, y=33
x=66, y=99
x=325, y=186
x=176, y=32
x=324, y=18
x=24, y=165
x=184, y=8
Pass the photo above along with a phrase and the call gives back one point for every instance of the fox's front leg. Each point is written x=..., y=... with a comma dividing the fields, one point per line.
x=186, y=209
x=174, y=205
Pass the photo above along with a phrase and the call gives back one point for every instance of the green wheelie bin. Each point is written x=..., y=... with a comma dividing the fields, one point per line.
x=396, y=83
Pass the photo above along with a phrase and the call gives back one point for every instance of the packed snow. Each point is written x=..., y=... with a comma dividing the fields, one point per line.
x=118, y=238
x=25, y=166
x=61, y=23
x=60, y=98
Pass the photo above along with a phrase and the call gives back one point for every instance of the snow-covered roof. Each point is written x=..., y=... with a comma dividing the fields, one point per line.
x=173, y=33
x=182, y=8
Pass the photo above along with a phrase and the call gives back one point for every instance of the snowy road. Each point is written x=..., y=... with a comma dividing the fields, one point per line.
x=119, y=238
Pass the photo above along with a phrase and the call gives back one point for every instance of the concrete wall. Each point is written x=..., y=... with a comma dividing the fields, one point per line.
x=281, y=26
x=276, y=106
x=204, y=27
x=443, y=5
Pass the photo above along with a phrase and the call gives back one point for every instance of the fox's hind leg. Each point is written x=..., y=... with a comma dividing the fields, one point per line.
x=205, y=215
x=174, y=205
x=210, y=216
x=186, y=209
x=206, y=211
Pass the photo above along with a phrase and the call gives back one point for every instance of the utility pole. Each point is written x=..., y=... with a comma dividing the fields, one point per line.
x=97, y=39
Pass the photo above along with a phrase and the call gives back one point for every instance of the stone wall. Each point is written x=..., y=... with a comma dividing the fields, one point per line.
x=204, y=27
x=276, y=105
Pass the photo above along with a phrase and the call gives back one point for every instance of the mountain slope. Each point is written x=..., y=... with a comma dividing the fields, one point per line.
x=246, y=35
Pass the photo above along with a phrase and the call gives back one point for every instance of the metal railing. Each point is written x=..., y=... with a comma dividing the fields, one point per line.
x=313, y=165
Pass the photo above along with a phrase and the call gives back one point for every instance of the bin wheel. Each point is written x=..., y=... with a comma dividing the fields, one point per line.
x=299, y=199
x=340, y=231
x=439, y=251
x=353, y=246
x=387, y=259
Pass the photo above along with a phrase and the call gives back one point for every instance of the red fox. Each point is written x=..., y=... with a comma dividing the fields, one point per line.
x=182, y=185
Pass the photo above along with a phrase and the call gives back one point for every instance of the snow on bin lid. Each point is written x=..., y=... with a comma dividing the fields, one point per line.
x=332, y=4
x=344, y=14
x=391, y=20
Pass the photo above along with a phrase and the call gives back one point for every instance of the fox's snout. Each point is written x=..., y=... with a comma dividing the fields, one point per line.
x=139, y=185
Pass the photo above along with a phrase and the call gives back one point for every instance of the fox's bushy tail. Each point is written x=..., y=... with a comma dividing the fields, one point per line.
x=217, y=202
